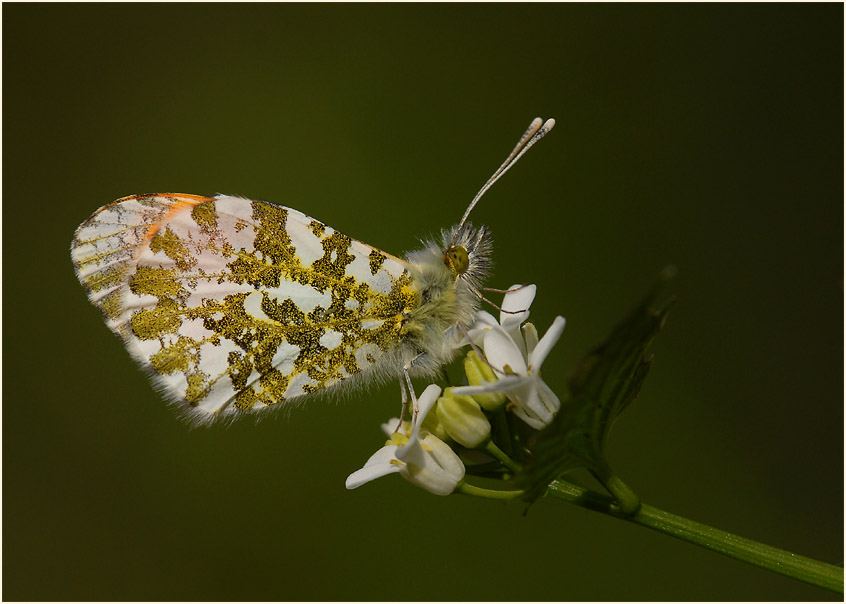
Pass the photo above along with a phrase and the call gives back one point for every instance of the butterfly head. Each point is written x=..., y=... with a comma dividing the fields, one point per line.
x=467, y=252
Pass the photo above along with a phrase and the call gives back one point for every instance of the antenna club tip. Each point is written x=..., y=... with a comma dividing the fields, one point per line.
x=550, y=123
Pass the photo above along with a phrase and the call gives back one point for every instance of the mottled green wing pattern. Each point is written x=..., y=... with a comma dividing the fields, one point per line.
x=236, y=305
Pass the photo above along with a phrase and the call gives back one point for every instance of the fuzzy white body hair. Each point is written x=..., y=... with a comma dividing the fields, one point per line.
x=447, y=301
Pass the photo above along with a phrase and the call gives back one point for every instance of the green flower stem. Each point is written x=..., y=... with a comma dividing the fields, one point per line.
x=469, y=489
x=777, y=560
x=492, y=449
x=627, y=499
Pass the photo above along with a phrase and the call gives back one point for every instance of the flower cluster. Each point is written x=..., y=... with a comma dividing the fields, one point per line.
x=426, y=450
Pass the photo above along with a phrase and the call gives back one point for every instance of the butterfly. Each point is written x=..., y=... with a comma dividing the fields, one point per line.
x=234, y=305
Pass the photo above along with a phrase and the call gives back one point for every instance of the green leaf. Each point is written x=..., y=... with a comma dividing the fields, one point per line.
x=601, y=386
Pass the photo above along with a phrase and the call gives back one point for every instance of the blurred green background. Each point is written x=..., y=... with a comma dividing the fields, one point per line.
x=707, y=136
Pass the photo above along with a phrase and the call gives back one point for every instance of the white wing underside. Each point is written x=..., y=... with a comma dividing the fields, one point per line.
x=236, y=304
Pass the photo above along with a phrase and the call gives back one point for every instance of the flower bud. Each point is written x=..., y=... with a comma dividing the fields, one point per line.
x=463, y=420
x=432, y=425
x=480, y=373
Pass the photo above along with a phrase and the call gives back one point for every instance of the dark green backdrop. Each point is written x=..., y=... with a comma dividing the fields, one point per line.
x=708, y=136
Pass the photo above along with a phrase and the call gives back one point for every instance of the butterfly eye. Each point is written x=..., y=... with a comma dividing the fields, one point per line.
x=457, y=259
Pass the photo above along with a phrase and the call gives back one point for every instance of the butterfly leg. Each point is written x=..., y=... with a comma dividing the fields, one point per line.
x=501, y=291
x=414, y=406
x=407, y=388
x=404, y=395
x=481, y=297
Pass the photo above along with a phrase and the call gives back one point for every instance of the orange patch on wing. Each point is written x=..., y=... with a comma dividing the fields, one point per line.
x=185, y=202
x=199, y=198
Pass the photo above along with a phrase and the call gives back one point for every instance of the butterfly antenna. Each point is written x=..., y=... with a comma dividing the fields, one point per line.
x=536, y=131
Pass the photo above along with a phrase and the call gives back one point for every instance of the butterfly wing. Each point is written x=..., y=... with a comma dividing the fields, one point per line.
x=236, y=305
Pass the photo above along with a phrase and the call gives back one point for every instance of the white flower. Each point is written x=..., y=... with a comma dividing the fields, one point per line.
x=518, y=361
x=421, y=458
x=515, y=310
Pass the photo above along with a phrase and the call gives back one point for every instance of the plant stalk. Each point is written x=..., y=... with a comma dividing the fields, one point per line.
x=468, y=489
x=776, y=560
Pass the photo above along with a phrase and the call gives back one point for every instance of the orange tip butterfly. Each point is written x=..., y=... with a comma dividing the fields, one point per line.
x=234, y=305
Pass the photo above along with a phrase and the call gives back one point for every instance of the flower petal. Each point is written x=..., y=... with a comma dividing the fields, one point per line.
x=549, y=399
x=359, y=477
x=446, y=458
x=436, y=482
x=390, y=426
x=483, y=323
x=501, y=350
x=383, y=455
x=534, y=422
x=425, y=402
x=503, y=384
x=432, y=465
x=381, y=463
x=549, y=339
x=530, y=405
x=530, y=335
x=517, y=301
